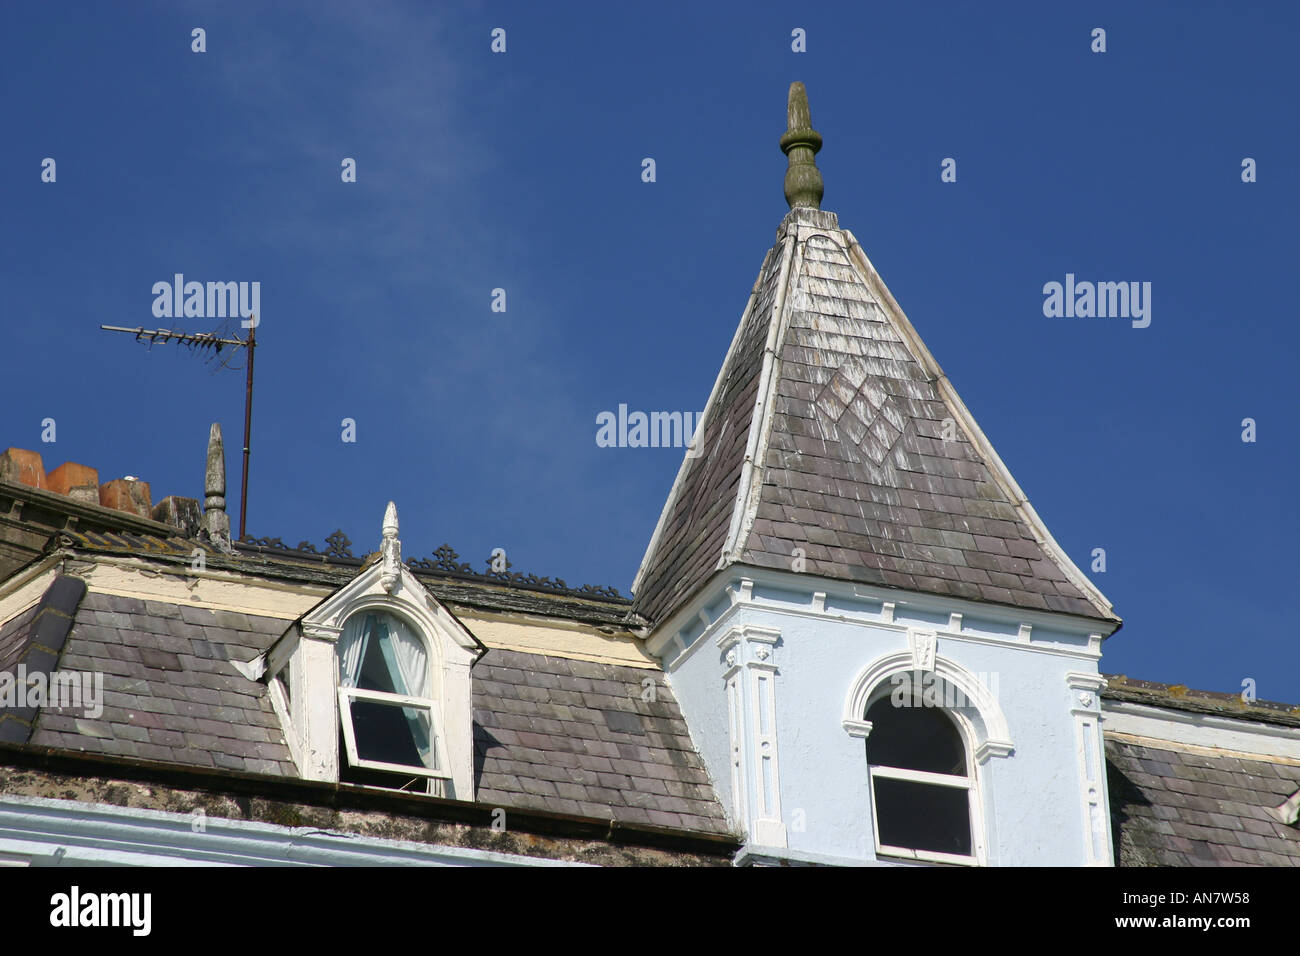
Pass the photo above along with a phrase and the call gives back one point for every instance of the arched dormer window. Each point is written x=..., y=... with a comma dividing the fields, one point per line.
x=922, y=782
x=389, y=718
x=373, y=685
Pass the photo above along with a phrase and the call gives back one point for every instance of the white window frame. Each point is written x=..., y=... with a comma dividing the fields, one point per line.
x=966, y=783
x=348, y=694
x=969, y=783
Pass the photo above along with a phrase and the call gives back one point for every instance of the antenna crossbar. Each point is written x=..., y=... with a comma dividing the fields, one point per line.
x=210, y=340
x=198, y=339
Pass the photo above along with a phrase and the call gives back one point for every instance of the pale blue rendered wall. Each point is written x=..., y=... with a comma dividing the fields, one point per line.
x=1033, y=810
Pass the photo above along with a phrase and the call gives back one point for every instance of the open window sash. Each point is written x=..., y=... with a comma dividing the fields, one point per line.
x=954, y=782
x=412, y=708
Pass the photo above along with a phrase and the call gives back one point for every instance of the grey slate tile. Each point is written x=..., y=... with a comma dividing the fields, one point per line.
x=571, y=762
x=1174, y=805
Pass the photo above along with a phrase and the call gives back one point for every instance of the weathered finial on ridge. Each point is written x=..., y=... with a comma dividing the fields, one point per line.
x=803, y=180
x=216, y=523
x=391, y=549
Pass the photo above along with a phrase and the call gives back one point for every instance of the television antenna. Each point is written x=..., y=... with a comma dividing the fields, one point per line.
x=221, y=346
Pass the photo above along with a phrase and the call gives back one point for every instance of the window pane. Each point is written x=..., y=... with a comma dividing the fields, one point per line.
x=392, y=733
x=923, y=816
x=374, y=669
x=914, y=738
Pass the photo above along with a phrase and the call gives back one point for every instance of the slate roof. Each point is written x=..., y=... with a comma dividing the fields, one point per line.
x=170, y=691
x=693, y=528
x=1177, y=807
x=550, y=733
x=851, y=466
x=31, y=644
x=576, y=737
x=1179, y=697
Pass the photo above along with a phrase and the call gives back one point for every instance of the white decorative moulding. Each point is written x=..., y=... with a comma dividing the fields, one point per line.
x=923, y=644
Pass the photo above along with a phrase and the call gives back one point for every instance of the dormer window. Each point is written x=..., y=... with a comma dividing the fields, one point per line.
x=373, y=684
x=388, y=715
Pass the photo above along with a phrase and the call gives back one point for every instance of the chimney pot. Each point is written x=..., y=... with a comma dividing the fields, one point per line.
x=183, y=514
x=23, y=467
x=125, y=494
x=76, y=481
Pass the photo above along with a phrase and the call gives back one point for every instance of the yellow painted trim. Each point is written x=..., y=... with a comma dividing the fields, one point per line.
x=207, y=590
x=531, y=635
x=225, y=591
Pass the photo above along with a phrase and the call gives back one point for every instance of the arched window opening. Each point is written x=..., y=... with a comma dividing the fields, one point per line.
x=921, y=782
x=386, y=707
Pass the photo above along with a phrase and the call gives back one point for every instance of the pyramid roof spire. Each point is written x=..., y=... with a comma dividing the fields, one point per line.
x=833, y=434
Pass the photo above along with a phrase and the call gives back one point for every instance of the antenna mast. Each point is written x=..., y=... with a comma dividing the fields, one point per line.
x=211, y=340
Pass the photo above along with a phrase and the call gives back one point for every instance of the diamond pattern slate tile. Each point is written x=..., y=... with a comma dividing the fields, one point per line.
x=860, y=469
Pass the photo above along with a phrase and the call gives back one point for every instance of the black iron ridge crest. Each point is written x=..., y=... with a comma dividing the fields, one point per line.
x=445, y=561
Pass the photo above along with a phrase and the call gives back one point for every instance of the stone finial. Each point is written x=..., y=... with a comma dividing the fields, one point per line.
x=391, y=549
x=216, y=523
x=803, y=180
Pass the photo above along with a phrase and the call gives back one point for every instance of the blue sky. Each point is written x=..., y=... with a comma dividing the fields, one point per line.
x=522, y=171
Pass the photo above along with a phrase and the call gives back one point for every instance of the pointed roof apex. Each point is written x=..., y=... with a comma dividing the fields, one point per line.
x=803, y=180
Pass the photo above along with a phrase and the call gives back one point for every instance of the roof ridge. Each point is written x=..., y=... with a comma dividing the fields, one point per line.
x=1181, y=697
x=747, y=492
x=444, y=562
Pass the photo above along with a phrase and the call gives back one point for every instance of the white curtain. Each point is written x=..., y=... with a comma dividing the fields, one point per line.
x=405, y=659
x=408, y=666
x=352, y=647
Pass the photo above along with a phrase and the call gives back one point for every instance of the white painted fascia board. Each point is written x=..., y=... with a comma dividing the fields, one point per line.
x=278, y=654
x=904, y=600
x=749, y=490
x=723, y=622
x=700, y=428
x=291, y=739
x=100, y=833
x=1179, y=728
x=901, y=601
x=997, y=467
x=410, y=598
